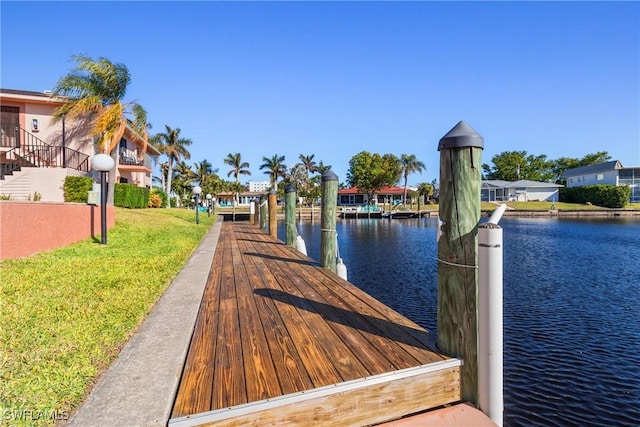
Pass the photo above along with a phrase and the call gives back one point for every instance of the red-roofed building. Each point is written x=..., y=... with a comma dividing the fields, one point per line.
x=386, y=195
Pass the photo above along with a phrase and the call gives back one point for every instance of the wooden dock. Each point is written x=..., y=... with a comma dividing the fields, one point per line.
x=280, y=340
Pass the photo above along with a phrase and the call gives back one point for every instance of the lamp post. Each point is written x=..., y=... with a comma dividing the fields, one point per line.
x=103, y=163
x=208, y=204
x=197, y=190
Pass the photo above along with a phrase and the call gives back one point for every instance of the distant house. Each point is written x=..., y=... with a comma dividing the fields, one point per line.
x=612, y=173
x=36, y=154
x=226, y=199
x=518, y=191
x=387, y=195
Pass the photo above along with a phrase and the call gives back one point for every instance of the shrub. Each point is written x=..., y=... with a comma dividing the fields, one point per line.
x=608, y=196
x=163, y=197
x=130, y=196
x=155, y=201
x=76, y=188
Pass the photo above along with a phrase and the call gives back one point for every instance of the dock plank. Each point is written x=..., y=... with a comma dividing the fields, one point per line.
x=280, y=340
x=196, y=386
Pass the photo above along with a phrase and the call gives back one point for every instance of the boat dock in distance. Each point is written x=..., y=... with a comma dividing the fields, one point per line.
x=280, y=340
x=357, y=212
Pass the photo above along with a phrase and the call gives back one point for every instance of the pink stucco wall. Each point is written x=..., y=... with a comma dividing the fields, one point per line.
x=27, y=228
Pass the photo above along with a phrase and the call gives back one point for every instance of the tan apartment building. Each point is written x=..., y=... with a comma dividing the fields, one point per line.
x=37, y=154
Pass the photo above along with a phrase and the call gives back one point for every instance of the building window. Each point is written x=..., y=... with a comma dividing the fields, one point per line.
x=599, y=177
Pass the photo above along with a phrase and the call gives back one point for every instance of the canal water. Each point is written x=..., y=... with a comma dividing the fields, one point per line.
x=571, y=307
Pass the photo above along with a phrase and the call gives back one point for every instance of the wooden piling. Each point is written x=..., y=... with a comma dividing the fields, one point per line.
x=460, y=163
x=256, y=209
x=290, y=215
x=328, y=239
x=263, y=213
x=273, y=205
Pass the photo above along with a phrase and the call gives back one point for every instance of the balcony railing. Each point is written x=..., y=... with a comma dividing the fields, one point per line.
x=130, y=159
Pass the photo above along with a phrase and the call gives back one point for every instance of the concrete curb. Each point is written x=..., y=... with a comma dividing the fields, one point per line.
x=140, y=386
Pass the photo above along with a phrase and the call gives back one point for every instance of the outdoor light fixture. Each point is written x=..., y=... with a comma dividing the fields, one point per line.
x=103, y=163
x=209, y=204
x=196, y=191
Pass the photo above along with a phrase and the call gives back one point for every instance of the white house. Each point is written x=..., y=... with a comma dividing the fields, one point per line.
x=496, y=190
x=611, y=173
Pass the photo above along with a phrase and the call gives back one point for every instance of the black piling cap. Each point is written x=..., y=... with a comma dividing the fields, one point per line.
x=273, y=191
x=329, y=176
x=290, y=188
x=462, y=135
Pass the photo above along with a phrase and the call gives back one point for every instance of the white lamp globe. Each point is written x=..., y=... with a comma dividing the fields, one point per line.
x=209, y=196
x=102, y=162
x=197, y=190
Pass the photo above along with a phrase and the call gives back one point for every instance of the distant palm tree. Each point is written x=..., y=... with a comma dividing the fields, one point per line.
x=425, y=191
x=275, y=168
x=183, y=180
x=322, y=168
x=175, y=148
x=203, y=169
x=206, y=176
x=94, y=90
x=238, y=168
x=409, y=164
x=308, y=163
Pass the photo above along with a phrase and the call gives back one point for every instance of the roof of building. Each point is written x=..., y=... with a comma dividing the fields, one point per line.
x=46, y=94
x=600, y=167
x=523, y=183
x=31, y=96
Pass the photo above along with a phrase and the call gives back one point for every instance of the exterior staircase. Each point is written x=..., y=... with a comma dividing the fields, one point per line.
x=31, y=151
x=30, y=168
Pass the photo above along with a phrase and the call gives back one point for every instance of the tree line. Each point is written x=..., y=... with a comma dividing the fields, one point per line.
x=517, y=165
x=94, y=90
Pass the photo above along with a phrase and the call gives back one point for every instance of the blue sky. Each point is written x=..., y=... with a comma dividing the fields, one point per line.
x=335, y=78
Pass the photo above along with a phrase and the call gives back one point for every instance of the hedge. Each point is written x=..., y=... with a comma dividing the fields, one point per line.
x=76, y=188
x=130, y=196
x=608, y=196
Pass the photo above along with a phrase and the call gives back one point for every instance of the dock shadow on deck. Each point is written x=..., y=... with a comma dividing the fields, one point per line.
x=279, y=339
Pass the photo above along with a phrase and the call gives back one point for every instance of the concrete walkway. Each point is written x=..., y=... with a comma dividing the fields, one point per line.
x=140, y=386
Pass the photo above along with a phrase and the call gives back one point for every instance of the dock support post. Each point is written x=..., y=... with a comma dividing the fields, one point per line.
x=290, y=214
x=328, y=240
x=273, y=222
x=460, y=163
x=490, y=323
x=252, y=212
x=263, y=213
x=256, y=209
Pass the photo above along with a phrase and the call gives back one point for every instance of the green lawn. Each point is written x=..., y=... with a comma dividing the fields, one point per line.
x=65, y=314
x=545, y=206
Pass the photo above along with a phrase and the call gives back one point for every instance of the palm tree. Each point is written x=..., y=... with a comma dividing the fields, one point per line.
x=183, y=180
x=94, y=90
x=309, y=164
x=322, y=168
x=409, y=164
x=274, y=168
x=238, y=168
x=175, y=148
x=203, y=170
x=205, y=175
x=425, y=191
